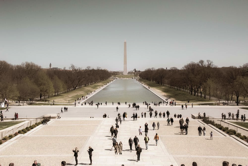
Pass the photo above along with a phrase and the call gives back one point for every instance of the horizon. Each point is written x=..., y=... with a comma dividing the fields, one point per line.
x=159, y=34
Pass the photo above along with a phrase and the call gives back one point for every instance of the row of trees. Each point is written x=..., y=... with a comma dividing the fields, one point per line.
x=204, y=79
x=29, y=81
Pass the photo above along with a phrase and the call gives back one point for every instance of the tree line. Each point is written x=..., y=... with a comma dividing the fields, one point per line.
x=29, y=81
x=204, y=79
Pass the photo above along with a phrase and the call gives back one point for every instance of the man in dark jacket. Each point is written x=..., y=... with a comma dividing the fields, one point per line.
x=130, y=142
x=90, y=154
x=116, y=132
x=138, y=152
x=136, y=141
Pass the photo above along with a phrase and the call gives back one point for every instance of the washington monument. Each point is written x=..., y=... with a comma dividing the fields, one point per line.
x=125, y=58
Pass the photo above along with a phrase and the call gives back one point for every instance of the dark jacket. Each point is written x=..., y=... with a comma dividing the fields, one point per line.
x=75, y=153
x=136, y=140
x=130, y=141
x=90, y=151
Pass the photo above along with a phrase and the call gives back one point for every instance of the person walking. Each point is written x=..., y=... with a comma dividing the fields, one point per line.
x=116, y=146
x=168, y=121
x=112, y=130
x=113, y=142
x=117, y=109
x=187, y=121
x=158, y=124
x=140, y=131
x=76, y=155
x=136, y=141
x=153, y=125
x=90, y=154
x=186, y=128
x=167, y=113
x=116, y=132
x=171, y=120
x=200, y=130
x=211, y=135
x=204, y=130
x=120, y=147
x=156, y=138
x=130, y=142
x=138, y=152
x=146, y=139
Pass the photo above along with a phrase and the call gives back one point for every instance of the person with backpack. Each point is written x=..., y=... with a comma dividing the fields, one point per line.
x=138, y=152
x=156, y=138
x=146, y=139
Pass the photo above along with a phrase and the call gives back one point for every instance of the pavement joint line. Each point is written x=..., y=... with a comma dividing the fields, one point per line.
x=58, y=135
x=198, y=156
x=10, y=142
x=47, y=155
x=190, y=136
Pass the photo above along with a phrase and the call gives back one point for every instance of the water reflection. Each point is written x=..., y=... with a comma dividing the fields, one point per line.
x=125, y=90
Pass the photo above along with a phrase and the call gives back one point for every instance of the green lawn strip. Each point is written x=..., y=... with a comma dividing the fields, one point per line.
x=2, y=108
x=174, y=93
x=242, y=124
x=4, y=125
x=245, y=108
x=71, y=96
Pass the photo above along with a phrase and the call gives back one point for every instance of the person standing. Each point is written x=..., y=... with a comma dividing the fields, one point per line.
x=150, y=114
x=153, y=125
x=136, y=141
x=167, y=113
x=117, y=109
x=76, y=155
x=130, y=142
x=158, y=124
x=146, y=139
x=120, y=147
x=90, y=154
x=140, y=131
x=145, y=114
x=168, y=121
x=156, y=138
x=138, y=152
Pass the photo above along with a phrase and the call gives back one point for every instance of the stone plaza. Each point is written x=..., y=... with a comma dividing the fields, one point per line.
x=52, y=143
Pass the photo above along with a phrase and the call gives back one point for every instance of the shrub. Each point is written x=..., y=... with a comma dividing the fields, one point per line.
x=10, y=136
x=5, y=138
x=1, y=142
x=16, y=134
x=238, y=134
x=24, y=130
x=225, y=129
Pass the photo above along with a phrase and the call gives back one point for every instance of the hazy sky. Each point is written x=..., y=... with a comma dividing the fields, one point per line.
x=166, y=33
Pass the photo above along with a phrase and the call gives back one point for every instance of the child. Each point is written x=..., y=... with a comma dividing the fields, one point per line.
x=211, y=135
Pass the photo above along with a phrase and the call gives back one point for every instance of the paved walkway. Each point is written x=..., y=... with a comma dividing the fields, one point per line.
x=52, y=143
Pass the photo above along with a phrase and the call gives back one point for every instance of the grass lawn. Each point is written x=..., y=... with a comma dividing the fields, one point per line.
x=4, y=125
x=245, y=108
x=2, y=108
x=71, y=96
x=178, y=95
x=245, y=125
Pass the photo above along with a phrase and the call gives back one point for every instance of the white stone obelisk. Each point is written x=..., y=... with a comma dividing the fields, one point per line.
x=125, y=58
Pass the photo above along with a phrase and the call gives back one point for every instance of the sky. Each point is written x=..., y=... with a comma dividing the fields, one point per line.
x=159, y=33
